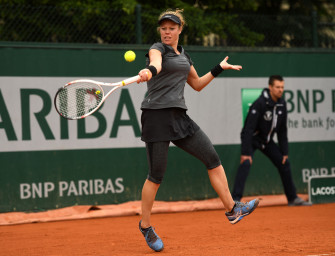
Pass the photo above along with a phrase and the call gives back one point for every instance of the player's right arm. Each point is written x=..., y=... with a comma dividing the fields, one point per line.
x=155, y=57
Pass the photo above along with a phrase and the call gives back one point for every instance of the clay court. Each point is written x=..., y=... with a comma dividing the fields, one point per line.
x=270, y=230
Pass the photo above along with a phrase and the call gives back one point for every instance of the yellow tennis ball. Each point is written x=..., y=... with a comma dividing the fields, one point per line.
x=97, y=92
x=129, y=56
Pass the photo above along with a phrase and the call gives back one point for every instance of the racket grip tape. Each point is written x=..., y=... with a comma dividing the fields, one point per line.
x=130, y=80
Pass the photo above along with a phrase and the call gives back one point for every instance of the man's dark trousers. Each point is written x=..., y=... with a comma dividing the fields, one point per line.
x=272, y=151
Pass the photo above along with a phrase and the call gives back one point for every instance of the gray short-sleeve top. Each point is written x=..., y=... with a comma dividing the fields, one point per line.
x=166, y=90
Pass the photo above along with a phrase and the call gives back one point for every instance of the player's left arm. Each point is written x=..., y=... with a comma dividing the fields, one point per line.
x=198, y=83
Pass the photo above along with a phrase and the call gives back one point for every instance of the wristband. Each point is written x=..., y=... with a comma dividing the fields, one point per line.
x=216, y=70
x=153, y=70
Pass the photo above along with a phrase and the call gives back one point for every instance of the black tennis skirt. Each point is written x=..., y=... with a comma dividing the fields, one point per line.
x=166, y=124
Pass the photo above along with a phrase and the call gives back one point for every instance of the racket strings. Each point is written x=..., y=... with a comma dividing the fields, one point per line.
x=79, y=99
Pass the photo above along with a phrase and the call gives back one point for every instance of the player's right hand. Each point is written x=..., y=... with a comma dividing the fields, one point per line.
x=145, y=75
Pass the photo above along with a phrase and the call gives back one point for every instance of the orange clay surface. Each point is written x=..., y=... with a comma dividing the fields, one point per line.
x=269, y=230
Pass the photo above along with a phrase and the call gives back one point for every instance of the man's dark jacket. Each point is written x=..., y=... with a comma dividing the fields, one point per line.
x=265, y=117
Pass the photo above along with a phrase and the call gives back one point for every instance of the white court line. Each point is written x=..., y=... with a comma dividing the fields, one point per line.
x=322, y=254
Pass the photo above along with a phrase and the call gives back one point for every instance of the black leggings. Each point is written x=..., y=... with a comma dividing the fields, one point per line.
x=197, y=145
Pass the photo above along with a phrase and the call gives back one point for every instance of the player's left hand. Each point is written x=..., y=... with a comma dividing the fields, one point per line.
x=225, y=65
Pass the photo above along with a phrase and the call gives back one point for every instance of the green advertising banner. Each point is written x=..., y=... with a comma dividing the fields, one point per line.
x=248, y=97
x=48, y=162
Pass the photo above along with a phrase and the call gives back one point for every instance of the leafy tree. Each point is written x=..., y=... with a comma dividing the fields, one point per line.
x=297, y=23
x=284, y=23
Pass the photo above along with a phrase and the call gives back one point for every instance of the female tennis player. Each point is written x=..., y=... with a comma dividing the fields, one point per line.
x=164, y=120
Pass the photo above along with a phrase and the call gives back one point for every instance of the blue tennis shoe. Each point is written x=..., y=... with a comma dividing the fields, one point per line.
x=152, y=239
x=241, y=210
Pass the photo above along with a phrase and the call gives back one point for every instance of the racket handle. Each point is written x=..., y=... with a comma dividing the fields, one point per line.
x=130, y=80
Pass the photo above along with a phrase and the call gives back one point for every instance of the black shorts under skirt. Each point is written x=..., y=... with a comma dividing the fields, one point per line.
x=166, y=124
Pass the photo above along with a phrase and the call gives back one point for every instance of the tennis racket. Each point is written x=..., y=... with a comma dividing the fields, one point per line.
x=81, y=98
